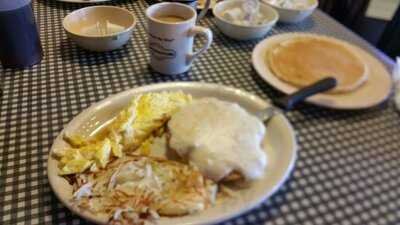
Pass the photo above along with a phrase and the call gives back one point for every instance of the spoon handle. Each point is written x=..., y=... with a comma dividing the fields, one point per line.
x=203, y=12
x=288, y=102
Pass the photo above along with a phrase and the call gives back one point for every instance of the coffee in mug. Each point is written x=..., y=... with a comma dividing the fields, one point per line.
x=171, y=30
x=171, y=19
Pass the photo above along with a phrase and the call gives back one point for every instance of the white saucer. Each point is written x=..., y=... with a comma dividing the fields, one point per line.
x=376, y=89
x=280, y=146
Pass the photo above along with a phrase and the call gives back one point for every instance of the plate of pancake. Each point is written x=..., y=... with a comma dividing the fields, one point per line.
x=291, y=61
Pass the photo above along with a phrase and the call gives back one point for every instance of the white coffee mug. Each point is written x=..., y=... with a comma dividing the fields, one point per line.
x=171, y=43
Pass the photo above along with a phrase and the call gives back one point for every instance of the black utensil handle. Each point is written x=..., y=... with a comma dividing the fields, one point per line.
x=288, y=102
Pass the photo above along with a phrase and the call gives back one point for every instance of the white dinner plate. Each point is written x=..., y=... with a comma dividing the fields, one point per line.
x=83, y=1
x=374, y=91
x=280, y=147
x=201, y=4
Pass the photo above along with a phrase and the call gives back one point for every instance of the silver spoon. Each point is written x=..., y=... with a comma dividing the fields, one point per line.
x=204, y=10
x=288, y=102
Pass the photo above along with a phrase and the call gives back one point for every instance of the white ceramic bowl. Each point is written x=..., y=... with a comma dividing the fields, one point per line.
x=242, y=32
x=294, y=15
x=78, y=21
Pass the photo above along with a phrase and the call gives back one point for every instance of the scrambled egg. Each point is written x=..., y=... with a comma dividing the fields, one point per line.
x=90, y=155
x=135, y=125
x=150, y=112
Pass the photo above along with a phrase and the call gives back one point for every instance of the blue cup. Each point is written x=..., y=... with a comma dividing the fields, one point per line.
x=19, y=40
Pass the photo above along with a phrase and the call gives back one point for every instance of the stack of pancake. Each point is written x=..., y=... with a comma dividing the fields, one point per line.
x=304, y=60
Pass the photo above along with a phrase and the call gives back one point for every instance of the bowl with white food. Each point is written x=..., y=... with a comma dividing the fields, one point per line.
x=100, y=28
x=230, y=19
x=293, y=11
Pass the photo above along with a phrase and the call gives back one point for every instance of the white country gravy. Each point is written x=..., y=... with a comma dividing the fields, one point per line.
x=219, y=137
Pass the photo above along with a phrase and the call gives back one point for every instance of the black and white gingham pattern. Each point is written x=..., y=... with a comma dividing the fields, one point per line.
x=349, y=162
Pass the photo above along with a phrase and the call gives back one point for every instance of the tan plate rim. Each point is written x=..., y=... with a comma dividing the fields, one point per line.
x=213, y=3
x=83, y=1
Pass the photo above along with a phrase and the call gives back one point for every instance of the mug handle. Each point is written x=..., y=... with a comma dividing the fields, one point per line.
x=205, y=32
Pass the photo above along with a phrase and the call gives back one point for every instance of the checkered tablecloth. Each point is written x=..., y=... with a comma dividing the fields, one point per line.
x=348, y=169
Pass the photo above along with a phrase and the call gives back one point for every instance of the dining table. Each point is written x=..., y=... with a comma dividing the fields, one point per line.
x=348, y=164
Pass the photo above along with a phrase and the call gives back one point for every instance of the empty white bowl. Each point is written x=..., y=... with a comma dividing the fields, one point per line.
x=243, y=32
x=287, y=15
x=88, y=27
